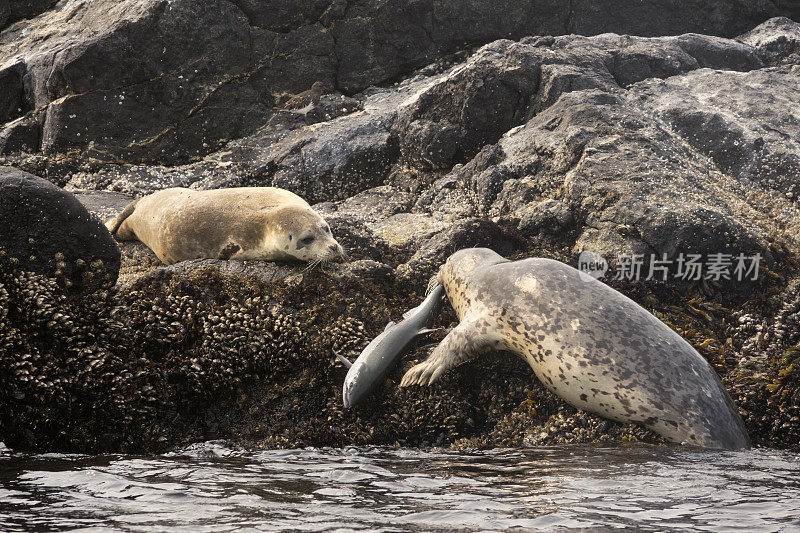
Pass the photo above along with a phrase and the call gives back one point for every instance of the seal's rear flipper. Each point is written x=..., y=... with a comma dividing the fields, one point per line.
x=343, y=359
x=463, y=343
x=113, y=224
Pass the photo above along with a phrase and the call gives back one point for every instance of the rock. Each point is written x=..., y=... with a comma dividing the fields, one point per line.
x=777, y=41
x=545, y=146
x=722, y=18
x=167, y=98
x=185, y=93
x=14, y=10
x=21, y=135
x=701, y=160
x=376, y=203
x=357, y=238
x=12, y=92
x=548, y=217
x=103, y=204
x=46, y=230
x=434, y=251
x=744, y=123
x=263, y=270
x=376, y=42
x=332, y=160
x=630, y=183
x=506, y=83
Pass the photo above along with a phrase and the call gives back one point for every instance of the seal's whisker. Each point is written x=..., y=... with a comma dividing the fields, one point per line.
x=311, y=265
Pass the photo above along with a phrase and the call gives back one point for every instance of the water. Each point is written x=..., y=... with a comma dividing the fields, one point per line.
x=211, y=487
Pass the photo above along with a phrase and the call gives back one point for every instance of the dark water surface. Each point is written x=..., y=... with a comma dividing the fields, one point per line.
x=211, y=487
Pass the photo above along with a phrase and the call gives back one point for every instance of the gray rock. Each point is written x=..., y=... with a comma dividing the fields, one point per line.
x=103, y=204
x=777, y=41
x=433, y=252
x=670, y=17
x=548, y=217
x=704, y=162
x=178, y=96
x=264, y=270
x=46, y=230
x=21, y=135
x=330, y=160
x=505, y=83
x=184, y=93
x=13, y=10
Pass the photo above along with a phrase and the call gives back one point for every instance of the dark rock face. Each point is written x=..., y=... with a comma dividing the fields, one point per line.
x=46, y=230
x=141, y=60
x=540, y=146
x=13, y=10
x=177, y=94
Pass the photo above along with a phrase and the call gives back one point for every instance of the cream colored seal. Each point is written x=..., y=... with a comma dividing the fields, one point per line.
x=261, y=223
x=589, y=344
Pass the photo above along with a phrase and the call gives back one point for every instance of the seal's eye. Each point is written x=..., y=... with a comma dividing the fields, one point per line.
x=327, y=230
x=307, y=241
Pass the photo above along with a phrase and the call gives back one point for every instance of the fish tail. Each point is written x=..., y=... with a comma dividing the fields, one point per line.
x=432, y=283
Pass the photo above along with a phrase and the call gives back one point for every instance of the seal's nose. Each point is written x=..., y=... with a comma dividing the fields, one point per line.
x=337, y=249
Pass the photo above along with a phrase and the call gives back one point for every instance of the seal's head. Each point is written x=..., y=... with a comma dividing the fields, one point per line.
x=459, y=265
x=300, y=233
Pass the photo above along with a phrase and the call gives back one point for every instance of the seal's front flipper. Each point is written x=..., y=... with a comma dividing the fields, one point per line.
x=463, y=343
x=228, y=251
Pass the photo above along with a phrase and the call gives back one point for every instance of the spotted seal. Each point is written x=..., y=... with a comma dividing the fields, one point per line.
x=586, y=342
x=263, y=223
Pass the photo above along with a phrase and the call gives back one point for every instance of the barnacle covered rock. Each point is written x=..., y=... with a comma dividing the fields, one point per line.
x=45, y=229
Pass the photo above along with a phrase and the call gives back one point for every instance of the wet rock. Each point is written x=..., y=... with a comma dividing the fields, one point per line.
x=332, y=162
x=47, y=231
x=766, y=381
x=12, y=92
x=136, y=181
x=548, y=217
x=263, y=270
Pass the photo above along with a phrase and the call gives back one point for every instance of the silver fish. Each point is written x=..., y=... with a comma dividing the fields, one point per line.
x=369, y=369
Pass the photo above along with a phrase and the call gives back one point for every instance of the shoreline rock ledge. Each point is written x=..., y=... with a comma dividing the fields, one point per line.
x=666, y=128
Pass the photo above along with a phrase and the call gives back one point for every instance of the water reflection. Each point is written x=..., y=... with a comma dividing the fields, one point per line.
x=211, y=487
